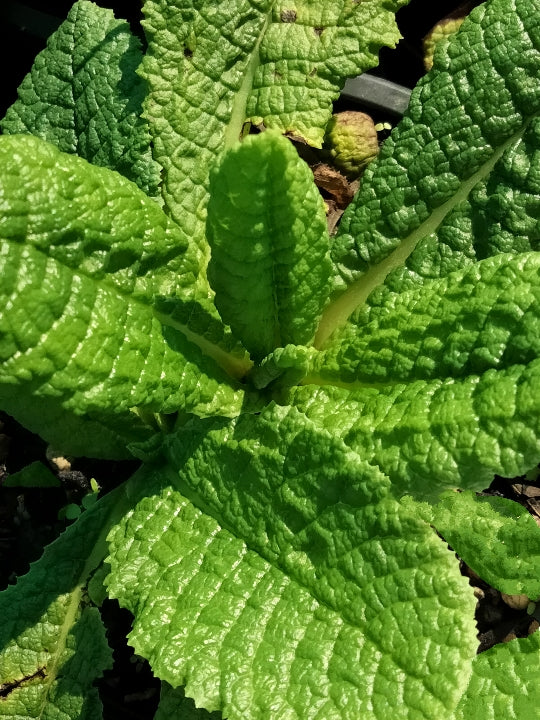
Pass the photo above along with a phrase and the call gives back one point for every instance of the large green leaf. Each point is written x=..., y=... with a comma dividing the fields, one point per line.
x=52, y=645
x=486, y=315
x=470, y=127
x=498, y=538
x=90, y=219
x=83, y=252
x=438, y=384
x=84, y=96
x=504, y=683
x=429, y=435
x=270, y=264
x=290, y=583
x=211, y=66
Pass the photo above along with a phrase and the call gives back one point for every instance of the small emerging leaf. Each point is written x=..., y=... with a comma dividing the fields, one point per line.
x=270, y=264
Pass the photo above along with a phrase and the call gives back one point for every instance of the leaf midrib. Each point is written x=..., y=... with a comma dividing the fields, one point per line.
x=338, y=312
x=235, y=368
x=116, y=501
x=233, y=129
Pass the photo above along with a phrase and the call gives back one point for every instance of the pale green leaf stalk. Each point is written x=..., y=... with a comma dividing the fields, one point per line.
x=299, y=409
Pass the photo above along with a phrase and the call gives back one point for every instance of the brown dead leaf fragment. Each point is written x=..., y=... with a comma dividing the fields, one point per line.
x=528, y=495
x=336, y=190
x=335, y=184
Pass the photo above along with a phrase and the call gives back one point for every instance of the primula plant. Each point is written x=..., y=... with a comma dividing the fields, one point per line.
x=304, y=406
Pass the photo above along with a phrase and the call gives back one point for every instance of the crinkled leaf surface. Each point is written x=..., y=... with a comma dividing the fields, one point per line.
x=270, y=264
x=437, y=434
x=464, y=156
x=211, y=66
x=90, y=219
x=271, y=567
x=52, y=645
x=84, y=96
x=173, y=703
x=498, y=538
x=83, y=251
x=484, y=316
x=415, y=383
x=60, y=684
x=315, y=594
x=307, y=51
x=504, y=683
x=424, y=402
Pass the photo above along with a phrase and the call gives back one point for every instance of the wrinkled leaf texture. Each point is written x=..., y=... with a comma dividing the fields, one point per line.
x=53, y=644
x=291, y=523
x=294, y=585
x=211, y=67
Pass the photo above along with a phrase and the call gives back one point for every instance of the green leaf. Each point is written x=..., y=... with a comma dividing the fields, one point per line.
x=270, y=265
x=439, y=381
x=196, y=317
x=197, y=59
x=465, y=131
x=314, y=594
x=212, y=67
x=305, y=55
x=58, y=684
x=84, y=96
x=498, y=538
x=173, y=703
x=504, y=683
x=290, y=363
x=52, y=644
x=484, y=316
x=33, y=475
x=90, y=219
x=79, y=336
x=431, y=435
